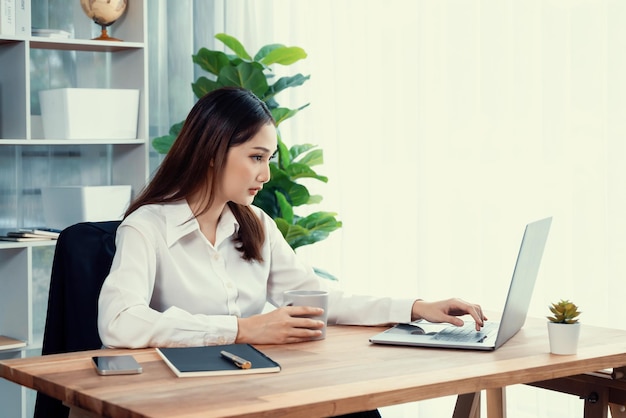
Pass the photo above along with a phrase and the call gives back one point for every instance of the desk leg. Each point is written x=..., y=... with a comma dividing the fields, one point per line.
x=617, y=411
x=467, y=406
x=597, y=403
x=496, y=403
x=76, y=412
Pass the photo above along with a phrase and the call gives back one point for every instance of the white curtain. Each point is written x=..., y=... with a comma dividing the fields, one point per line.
x=447, y=126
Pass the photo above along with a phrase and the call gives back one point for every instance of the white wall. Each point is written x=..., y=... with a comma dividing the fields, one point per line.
x=447, y=126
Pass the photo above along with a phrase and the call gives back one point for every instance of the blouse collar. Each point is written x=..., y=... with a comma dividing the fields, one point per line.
x=180, y=221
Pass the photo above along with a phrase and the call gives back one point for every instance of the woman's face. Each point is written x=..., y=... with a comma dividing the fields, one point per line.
x=247, y=167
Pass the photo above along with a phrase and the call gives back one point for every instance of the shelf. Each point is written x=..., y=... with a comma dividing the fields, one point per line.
x=5, y=245
x=28, y=162
x=71, y=44
x=8, y=343
x=82, y=44
x=9, y=40
x=72, y=142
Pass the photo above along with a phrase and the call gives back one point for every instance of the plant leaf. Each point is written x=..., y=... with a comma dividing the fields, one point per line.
x=176, y=128
x=270, y=102
x=299, y=171
x=203, y=86
x=283, y=226
x=297, y=194
x=564, y=311
x=284, y=159
x=281, y=114
x=320, y=221
x=284, y=55
x=262, y=53
x=247, y=75
x=286, y=210
x=266, y=200
x=295, y=235
x=325, y=274
x=234, y=44
x=296, y=150
x=314, y=199
x=313, y=158
x=211, y=61
x=162, y=144
x=287, y=82
x=296, y=241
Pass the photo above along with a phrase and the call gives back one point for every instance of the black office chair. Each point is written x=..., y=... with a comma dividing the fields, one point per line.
x=82, y=260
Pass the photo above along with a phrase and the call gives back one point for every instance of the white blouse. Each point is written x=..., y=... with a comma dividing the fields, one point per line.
x=169, y=286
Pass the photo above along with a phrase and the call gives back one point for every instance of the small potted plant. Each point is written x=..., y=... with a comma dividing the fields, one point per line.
x=563, y=327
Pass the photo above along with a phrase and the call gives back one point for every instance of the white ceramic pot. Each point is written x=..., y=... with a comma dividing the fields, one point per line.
x=563, y=338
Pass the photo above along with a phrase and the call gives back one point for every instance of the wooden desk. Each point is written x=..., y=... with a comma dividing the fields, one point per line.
x=341, y=374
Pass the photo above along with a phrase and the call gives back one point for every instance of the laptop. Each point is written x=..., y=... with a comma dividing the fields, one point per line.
x=493, y=334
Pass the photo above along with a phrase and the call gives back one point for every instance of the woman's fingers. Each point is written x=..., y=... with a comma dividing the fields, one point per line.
x=283, y=325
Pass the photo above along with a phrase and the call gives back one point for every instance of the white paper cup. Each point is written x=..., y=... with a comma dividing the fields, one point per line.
x=314, y=298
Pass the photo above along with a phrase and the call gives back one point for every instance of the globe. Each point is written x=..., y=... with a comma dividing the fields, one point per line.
x=104, y=13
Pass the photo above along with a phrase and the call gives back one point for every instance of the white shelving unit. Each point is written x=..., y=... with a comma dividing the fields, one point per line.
x=25, y=61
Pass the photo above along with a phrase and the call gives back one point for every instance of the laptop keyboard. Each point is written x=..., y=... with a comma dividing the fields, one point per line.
x=466, y=333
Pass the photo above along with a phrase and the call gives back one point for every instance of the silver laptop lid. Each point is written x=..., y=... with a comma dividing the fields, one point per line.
x=523, y=281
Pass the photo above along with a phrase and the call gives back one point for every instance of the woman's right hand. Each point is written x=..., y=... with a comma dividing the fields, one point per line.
x=289, y=324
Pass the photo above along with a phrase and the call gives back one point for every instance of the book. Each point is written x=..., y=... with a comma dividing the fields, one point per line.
x=51, y=33
x=27, y=235
x=7, y=343
x=49, y=232
x=13, y=234
x=24, y=239
x=208, y=360
x=35, y=233
x=7, y=17
x=22, y=17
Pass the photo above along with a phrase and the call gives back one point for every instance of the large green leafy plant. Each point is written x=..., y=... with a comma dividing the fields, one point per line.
x=283, y=192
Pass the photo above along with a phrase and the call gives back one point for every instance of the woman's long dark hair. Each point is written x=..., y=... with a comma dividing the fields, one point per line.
x=222, y=119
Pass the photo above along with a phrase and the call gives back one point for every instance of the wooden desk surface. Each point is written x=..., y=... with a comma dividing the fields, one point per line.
x=341, y=374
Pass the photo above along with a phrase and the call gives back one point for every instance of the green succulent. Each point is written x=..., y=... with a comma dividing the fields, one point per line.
x=564, y=312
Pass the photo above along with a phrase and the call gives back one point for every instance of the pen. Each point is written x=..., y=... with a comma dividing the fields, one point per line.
x=239, y=362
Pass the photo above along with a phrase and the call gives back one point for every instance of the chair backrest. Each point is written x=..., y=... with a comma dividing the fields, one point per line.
x=82, y=260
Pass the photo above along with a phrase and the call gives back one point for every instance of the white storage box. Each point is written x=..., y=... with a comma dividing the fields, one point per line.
x=65, y=206
x=89, y=113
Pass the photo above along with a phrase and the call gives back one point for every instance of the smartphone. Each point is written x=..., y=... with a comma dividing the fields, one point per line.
x=111, y=365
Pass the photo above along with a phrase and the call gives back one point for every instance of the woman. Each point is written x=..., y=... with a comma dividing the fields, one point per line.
x=196, y=263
